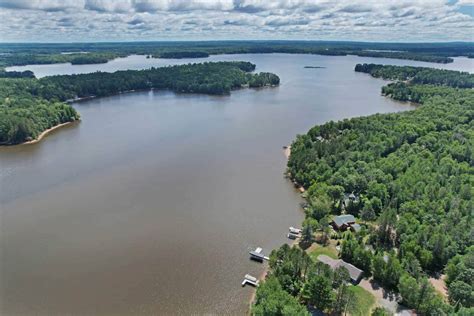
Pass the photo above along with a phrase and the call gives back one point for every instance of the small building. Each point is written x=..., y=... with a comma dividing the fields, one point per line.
x=348, y=200
x=355, y=228
x=343, y=222
x=354, y=272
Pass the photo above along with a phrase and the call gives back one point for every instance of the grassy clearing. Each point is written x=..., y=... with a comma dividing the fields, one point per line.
x=363, y=303
x=315, y=250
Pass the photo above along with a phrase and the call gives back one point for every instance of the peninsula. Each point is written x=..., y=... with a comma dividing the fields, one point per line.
x=31, y=106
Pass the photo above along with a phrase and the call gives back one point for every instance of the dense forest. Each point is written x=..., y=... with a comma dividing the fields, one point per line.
x=12, y=54
x=419, y=75
x=183, y=54
x=78, y=58
x=412, y=176
x=29, y=105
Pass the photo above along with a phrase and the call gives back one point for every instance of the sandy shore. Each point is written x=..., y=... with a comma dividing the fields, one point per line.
x=46, y=132
x=287, y=153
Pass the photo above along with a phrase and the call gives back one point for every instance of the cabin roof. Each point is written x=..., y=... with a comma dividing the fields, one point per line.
x=356, y=227
x=354, y=272
x=343, y=220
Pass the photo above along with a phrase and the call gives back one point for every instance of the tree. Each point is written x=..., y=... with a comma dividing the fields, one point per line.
x=378, y=268
x=310, y=225
x=411, y=265
x=335, y=192
x=393, y=271
x=318, y=292
x=367, y=213
x=461, y=293
x=386, y=227
x=290, y=266
x=271, y=299
x=380, y=311
x=409, y=290
x=341, y=276
x=325, y=230
x=343, y=299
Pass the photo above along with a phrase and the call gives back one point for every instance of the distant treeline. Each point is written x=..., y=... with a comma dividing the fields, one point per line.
x=29, y=106
x=183, y=54
x=16, y=74
x=23, y=54
x=419, y=75
x=20, y=59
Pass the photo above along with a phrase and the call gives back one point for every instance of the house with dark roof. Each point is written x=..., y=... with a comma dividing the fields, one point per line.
x=343, y=222
x=354, y=272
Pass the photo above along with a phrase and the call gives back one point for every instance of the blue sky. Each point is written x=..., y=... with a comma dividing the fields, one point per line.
x=128, y=20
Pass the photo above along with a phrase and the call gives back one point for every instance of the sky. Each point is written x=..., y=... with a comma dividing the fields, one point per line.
x=145, y=20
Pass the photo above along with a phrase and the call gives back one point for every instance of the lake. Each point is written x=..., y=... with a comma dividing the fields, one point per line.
x=151, y=203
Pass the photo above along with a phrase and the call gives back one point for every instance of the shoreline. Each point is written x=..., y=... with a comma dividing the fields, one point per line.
x=263, y=275
x=46, y=133
x=287, y=153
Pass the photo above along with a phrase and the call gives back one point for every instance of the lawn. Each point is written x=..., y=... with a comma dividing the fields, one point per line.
x=315, y=250
x=363, y=302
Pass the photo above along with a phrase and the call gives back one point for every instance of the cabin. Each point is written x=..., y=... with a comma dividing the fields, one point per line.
x=354, y=272
x=343, y=222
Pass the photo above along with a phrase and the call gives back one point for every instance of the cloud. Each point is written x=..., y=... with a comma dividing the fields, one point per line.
x=46, y=5
x=465, y=2
x=375, y=20
x=281, y=21
x=356, y=8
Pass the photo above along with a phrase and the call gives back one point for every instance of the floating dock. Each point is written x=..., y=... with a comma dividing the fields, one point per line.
x=294, y=230
x=258, y=255
x=293, y=236
x=248, y=279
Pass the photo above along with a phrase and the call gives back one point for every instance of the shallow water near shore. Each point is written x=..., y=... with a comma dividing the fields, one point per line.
x=151, y=203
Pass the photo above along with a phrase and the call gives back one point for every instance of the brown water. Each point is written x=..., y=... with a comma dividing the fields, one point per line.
x=151, y=203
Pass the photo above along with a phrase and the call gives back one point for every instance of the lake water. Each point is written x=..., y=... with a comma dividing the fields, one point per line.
x=151, y=203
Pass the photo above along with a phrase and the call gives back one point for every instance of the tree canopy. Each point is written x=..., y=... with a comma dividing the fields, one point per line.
x=29, y=106
x=412, y=174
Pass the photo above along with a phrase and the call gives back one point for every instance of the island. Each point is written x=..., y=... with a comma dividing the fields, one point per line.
x=30, y=106
x=388, y=195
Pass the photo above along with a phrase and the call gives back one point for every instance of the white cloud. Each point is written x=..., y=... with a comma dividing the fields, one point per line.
x=89, y=20
x=465, y=2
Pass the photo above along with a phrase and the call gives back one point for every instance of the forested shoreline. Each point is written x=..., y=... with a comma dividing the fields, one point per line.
x=29, y=105
x=410, y=178
x=90, y=53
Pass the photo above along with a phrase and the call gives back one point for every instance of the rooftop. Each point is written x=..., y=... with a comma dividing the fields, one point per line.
x=344, y=220
x=354, y=272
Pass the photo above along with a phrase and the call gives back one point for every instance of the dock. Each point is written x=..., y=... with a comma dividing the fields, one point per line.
x=294, y=233
x=293, y=236
x=248, y=279
x=294, y=230
x=258, y=255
